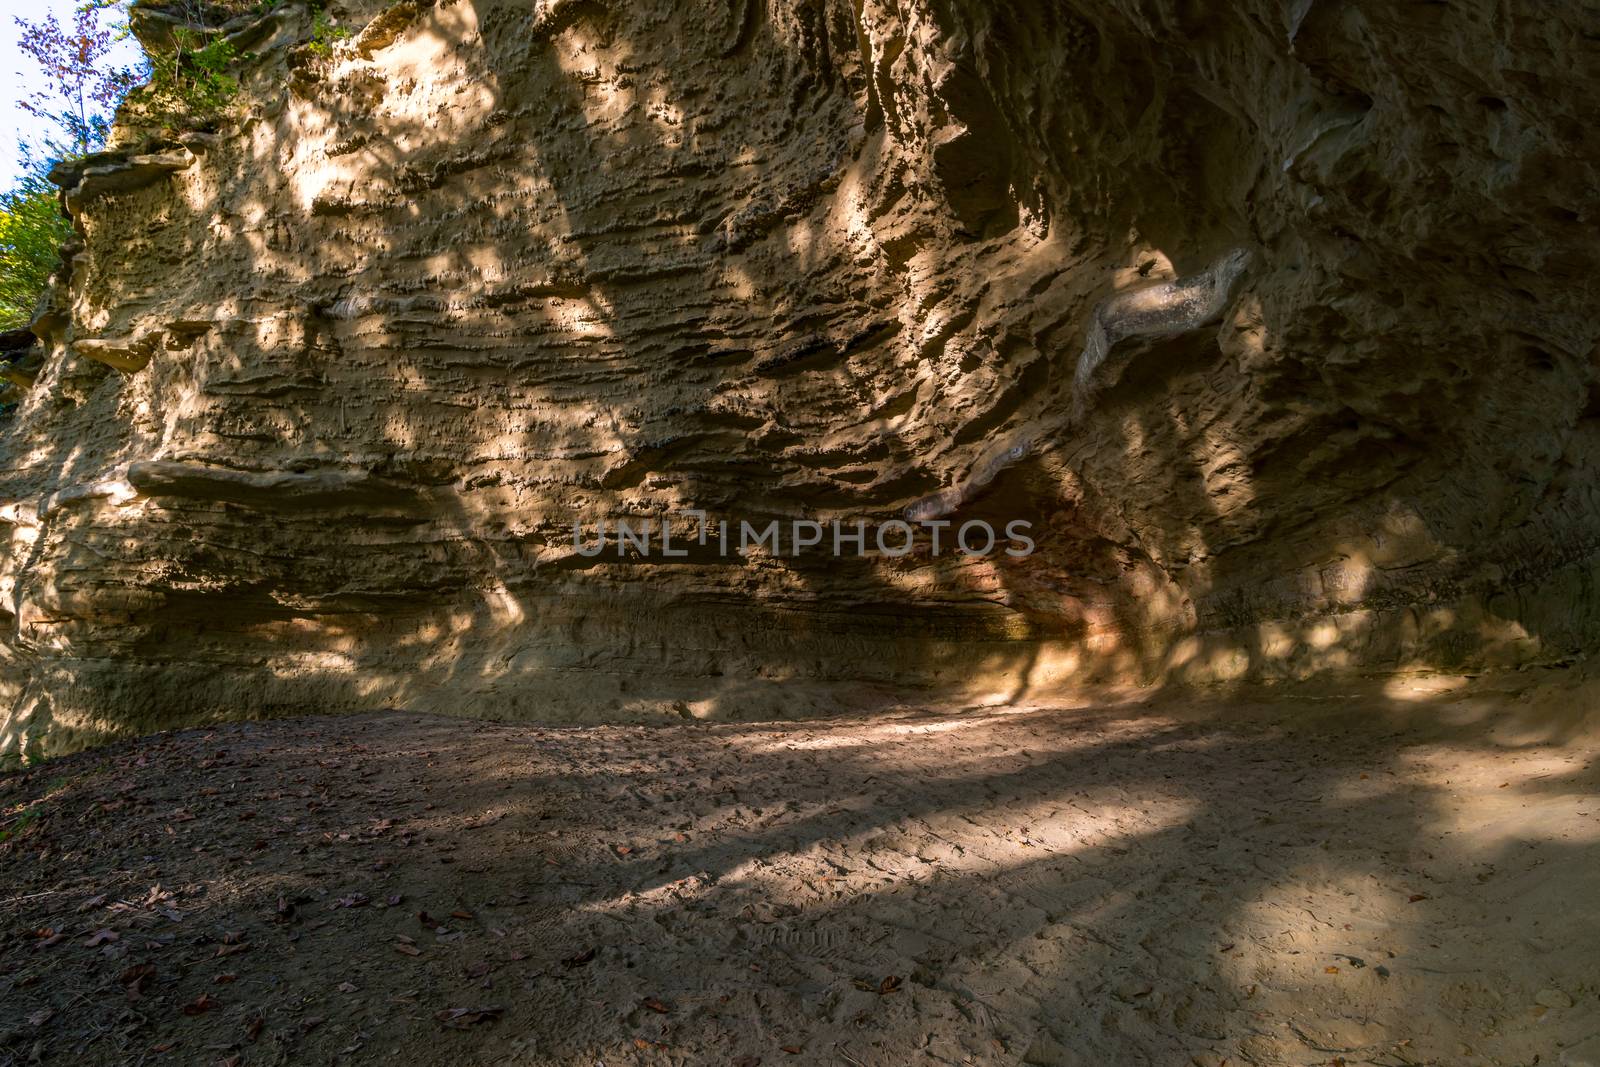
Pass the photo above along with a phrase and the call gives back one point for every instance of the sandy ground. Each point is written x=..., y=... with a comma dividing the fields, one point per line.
x=1299, y=882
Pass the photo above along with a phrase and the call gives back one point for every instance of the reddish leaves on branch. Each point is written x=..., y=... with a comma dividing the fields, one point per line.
x=82, y=87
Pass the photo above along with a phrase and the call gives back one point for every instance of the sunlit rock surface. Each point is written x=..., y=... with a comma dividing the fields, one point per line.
x=327, y=387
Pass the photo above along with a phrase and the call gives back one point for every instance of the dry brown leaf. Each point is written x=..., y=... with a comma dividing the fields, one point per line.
x=134, y=978
x=461, y=1018
x=201, y=1004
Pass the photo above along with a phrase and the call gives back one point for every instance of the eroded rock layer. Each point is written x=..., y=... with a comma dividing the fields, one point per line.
x=326, y=387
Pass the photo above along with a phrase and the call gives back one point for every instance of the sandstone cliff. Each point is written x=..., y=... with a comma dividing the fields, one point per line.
x=1274, y=317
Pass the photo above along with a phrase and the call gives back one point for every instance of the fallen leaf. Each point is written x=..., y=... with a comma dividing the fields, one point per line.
x=656, y=1006
x=40, y=1017
x=348, y=987
x=461, y=1018
x=461, y=915
x=1416, y=897
x=201, y=1004
x=579, y=959
x=230, y=950
x=224, y=979
x=252, y=1029
x=134, y=978
x=408, y=950
x=793, y=1050
x=165, y=1046
x=310, y=1024
x=888, y=985
x=102, y=937
x=92, y=903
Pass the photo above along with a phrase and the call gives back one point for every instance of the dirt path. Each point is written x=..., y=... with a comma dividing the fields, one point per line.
x=1000, y=886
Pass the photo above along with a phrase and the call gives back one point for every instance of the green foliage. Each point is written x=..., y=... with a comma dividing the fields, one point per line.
x=18, y=824
x=324, y=34
x=190, y=86
x=14, y=826
x=32, y=231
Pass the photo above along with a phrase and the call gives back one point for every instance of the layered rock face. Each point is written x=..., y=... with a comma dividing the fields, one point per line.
x=1275, y=319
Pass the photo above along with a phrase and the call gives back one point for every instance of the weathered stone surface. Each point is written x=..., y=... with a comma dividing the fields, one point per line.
x=124, y=353
x=531, y=264
x=118, y=173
